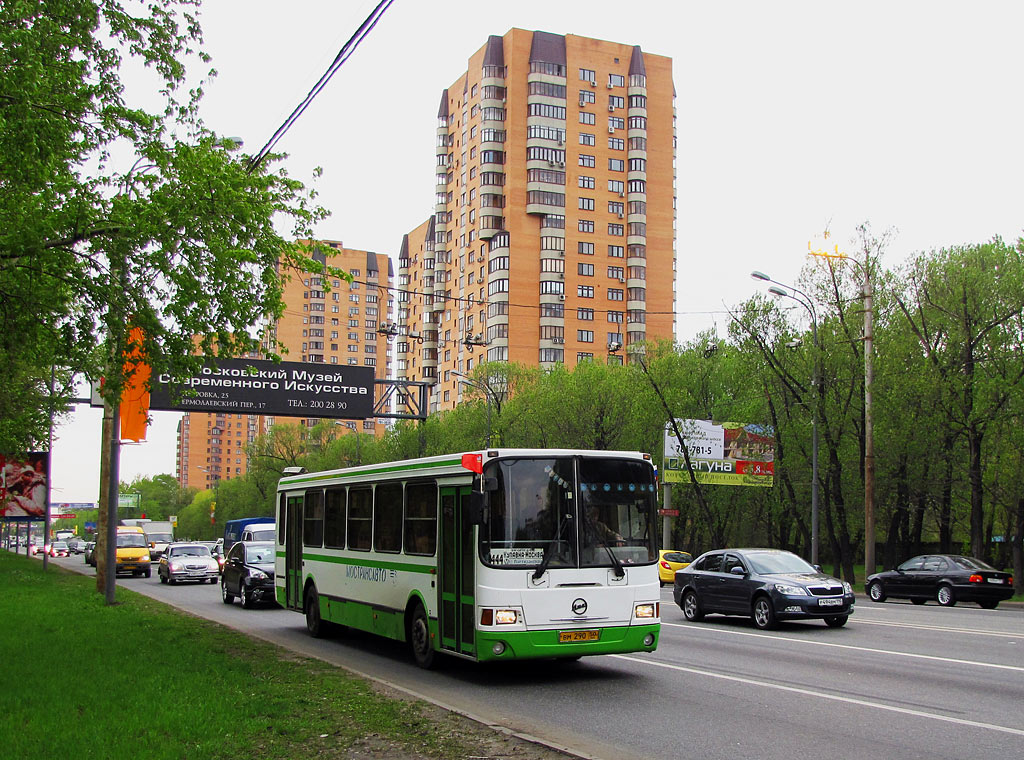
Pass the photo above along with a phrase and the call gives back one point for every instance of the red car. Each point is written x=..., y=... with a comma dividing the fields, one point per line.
x=59, y=549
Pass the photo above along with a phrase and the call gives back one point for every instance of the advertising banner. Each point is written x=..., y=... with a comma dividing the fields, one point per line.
x=24, y=485
x=721, y=453
x=256, y=386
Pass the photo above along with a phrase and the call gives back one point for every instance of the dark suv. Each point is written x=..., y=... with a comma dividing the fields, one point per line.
x=248, y=573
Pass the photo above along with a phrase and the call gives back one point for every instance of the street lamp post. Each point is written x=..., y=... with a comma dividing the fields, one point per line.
x=466, y=380
x=351, y=425
x=781, y=291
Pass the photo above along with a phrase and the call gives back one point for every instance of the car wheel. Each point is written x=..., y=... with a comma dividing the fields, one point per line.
x=226, y=596
x=691, y=607
x=836, y=621
x=946, y=597
x=876, y=592
x=245, y=596
x=149, y=573
x=918, y=600
x=212, y=581
x=989, y=605
x=172, y=581
x=314, y=623
x=419, y=638
x=764, y=613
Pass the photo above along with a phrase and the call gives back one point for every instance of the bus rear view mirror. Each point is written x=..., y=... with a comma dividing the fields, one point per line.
x=476, y=508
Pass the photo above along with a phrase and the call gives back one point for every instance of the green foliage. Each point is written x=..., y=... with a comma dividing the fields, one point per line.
x=115, y=213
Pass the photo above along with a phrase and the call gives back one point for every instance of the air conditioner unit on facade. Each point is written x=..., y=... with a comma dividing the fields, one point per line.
x=610, y=85
x=622, y=195
x=620, y=216
x=611, y=130
x=593, y=83
x=561, y=296
x=583, y=103
x=610, y=108
x=561, y=164
x=558, y=340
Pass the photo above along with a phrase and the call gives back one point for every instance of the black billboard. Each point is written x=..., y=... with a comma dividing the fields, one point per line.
x=277, y=389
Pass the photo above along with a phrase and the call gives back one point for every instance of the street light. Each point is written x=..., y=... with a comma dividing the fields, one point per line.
x=467, y=380
x=780, y=290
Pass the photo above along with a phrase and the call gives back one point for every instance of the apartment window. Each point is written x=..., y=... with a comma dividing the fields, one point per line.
x=585, y=225
x=616, y=207
x=587, y=96
x=552, y=265
x=616, y=101
x=552, y=287
x=616, y=186
x=638, y=207
x=585, y=336
x=638, y=229
x=615, y=294
x=586, y=204
x=638, y=143
x=585, y=160
x=615, y=317
x=541, y=67
x=492, y=135
x=586, y=117
x=544, y=109
x=552, y=221
x=616, y=273
x=585, y=291
x=499, y=285
x=585, y=270
x=585, y=182
x=637, y=294
x=549, y=176
x=552, y=310
x=638, y=164
x=615, y=230
x=585, y=248
x=493, y=114
x=535, y=153
x=588, y=139
x=489, y=178
x=498, y=264
x=546, y=89
x=492, y=156
x=547, y=332
x=552, y=355
x=544, y=133
x=638, y=122
x=588, y=75
x=584, y=356
x=616, y=80
x=545, y=198
x=617, y=122
x=585, y=315
x=552, y=243
x=615, y=251
x=616, y=165
x=616, y=143
x=638, y=101
x=637, y=186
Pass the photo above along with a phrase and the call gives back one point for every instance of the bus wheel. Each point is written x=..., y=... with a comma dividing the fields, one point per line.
x=419, y=638
x=314, y=623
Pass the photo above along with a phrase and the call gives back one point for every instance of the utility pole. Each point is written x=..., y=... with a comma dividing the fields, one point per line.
x=869, y=438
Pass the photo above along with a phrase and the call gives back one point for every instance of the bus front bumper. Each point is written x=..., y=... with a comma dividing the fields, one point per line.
x=496, y=645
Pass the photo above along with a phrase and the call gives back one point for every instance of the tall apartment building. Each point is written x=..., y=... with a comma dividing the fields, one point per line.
x=553, y=233
x=339, y=327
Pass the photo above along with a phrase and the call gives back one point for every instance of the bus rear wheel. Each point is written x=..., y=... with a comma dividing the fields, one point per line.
x=314, y=623
x=419, y=638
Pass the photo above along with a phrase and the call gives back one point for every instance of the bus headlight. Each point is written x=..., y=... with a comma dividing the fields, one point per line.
x=505, y=617
x=644, y=610
x=498, y=648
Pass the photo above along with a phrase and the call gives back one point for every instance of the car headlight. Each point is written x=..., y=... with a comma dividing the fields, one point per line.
x=176, y=566
x=644, y=610
x=790, y=590
x=847, y=588
x=257, y=574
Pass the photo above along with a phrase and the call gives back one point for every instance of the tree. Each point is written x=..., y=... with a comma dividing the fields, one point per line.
x=113, y=214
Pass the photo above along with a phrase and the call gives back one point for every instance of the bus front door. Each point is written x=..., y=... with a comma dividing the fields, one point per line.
x=458, y=558
x=293, y=553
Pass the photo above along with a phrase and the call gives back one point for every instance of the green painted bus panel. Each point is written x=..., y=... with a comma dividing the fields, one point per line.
x=522, y=645
x=364, y=617
x=365, y=561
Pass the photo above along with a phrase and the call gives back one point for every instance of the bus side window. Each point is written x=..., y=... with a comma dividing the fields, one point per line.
x=421, y=519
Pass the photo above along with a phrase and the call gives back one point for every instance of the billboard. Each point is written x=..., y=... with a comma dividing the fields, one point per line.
x=721, y=453
x=257, y=386
x=24, y=485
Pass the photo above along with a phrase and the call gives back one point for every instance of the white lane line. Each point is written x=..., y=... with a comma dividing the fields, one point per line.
x=976, y=631
x=824, y=695
x=702, y=629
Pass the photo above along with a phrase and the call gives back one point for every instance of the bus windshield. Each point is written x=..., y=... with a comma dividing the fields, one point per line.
x=570, y=512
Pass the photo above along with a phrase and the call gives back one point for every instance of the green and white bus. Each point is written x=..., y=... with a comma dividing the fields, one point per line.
x=490, y=555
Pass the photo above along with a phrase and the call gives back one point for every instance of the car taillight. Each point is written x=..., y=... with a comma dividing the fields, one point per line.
x=975, y=578
x=666, y=565
x=1009, y=581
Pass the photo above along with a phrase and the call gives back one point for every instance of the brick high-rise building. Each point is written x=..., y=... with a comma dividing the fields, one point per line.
x=340, y=327
x=553, y=233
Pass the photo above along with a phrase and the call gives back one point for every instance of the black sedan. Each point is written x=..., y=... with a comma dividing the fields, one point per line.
x=248, y=573
x=946, y=578
x=767, y=585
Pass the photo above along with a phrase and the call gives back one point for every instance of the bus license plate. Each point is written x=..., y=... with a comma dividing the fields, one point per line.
x=836, y=602
x=571, y=637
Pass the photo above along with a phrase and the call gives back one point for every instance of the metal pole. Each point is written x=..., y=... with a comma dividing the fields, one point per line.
x=666, y=521
x=112, y=493
x=869, y=444
x=815, y=532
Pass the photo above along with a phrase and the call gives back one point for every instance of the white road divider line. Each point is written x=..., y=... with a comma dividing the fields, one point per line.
x=890, y=652
x=825, y=695
x=948, y=629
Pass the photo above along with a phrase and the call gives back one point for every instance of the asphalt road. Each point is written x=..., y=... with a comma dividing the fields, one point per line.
x=900, y=681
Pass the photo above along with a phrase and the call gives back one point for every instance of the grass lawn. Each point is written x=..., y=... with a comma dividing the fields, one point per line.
x=141, y=680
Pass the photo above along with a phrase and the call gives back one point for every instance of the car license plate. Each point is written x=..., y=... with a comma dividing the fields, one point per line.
x=571, y=637
x=995, y=580
x=832, y=602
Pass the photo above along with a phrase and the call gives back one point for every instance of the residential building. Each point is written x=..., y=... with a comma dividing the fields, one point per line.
x=553, y=233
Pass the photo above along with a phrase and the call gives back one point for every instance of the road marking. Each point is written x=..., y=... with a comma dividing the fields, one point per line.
x=977, y=631
x=848, y=646
x=825, y=695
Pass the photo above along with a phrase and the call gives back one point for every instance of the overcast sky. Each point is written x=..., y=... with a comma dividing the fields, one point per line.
x=792, y=116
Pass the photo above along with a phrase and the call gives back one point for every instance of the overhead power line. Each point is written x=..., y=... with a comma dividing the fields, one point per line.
x=343, y=55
